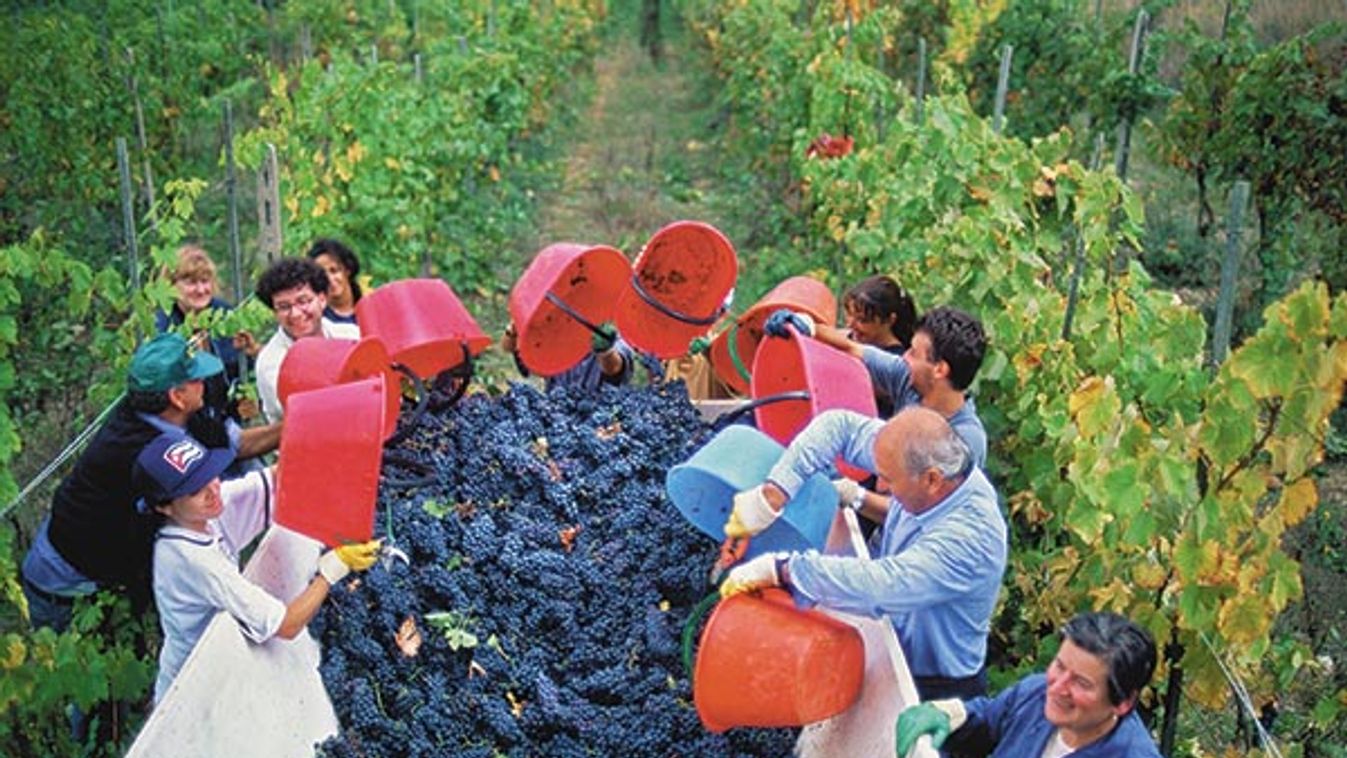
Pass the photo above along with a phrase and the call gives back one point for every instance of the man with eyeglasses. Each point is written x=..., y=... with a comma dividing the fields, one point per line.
x=939, y=556
x=295, y=289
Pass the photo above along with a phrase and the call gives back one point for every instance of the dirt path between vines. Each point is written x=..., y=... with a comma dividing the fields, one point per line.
x=634, y=163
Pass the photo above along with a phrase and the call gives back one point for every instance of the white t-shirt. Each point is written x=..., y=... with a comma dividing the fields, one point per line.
x=1055, y=747
x=196, y=575
x=273, y=354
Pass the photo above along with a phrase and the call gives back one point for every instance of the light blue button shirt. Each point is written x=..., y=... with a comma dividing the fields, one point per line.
x=890, y=372
x=936, y=575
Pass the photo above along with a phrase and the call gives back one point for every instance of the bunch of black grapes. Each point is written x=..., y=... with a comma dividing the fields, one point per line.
x=558, y=576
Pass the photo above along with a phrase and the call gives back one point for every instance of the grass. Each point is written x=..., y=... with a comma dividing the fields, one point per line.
x=1275, y=20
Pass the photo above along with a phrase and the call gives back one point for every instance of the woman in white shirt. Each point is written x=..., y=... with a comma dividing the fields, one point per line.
x=207, y=523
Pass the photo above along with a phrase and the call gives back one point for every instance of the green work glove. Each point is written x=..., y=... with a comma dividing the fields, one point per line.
x=604, y=338
x=923, y=718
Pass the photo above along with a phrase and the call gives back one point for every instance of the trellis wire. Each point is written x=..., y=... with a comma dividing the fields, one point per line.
x=1242, y=696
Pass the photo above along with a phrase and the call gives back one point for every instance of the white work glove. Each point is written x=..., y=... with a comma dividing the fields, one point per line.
x=752, y=514
x=763, y=571
x=336, y=563
x=849, y=494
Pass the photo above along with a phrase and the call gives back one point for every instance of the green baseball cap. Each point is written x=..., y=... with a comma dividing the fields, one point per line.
x=165, y=361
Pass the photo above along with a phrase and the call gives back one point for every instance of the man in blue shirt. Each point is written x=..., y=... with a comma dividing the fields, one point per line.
x=941, y=551
x=611, y=361
x=935, y=370
x=1084, y=706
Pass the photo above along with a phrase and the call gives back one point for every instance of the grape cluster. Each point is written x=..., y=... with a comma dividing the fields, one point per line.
x=574, y=572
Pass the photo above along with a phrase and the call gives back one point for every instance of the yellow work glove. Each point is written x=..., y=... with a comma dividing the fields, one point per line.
x=336, y=563
x=761, y=572
x=752, y=514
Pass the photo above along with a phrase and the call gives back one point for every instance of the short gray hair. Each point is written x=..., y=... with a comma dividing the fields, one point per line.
x=942, y=450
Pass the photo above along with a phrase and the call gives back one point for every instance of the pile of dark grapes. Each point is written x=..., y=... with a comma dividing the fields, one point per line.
x=540, y=522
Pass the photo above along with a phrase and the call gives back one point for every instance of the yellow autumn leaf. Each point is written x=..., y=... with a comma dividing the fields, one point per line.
x=1298, y=500
x=1028, y=506
x=1149, y=576
x=15, y=652
x=1334, y=372
x=392, y=163
x=980, y=194
x=1204, y=683
x=1114, y=596
x=319, y=158
x=1093, y=405
x=320, y=207
x=292, y=205
x=494, y=173
x=355, y=152
x=1245, y=619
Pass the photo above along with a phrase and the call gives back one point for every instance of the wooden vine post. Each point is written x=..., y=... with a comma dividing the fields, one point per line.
x=1133, y=65
x=1002, y=88
x=269, y=238
x=1225, y=301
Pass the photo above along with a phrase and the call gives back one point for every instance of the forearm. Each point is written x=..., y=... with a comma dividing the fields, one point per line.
x=303, y=608
x=834, y=337
x=259, y=440
x=833, y=434
x=874, y=506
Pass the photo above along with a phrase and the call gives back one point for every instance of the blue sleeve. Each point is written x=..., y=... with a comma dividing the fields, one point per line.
x=948, y=563
x=831, y=434
x=991, y=718
x=889, y=372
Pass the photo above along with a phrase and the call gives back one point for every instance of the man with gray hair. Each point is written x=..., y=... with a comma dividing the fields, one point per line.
x=940, y=554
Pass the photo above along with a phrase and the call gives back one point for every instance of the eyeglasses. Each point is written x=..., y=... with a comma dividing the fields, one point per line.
x=302, y=302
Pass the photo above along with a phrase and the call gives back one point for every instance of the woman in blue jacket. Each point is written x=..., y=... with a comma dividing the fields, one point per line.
x=1084, y=706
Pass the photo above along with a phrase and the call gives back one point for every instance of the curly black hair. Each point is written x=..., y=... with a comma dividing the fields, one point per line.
x=957, y=339
x=288, y=273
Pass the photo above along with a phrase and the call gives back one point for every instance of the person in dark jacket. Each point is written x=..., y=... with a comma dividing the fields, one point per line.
x=94, y=536
x=196, y=280
x=1084, y=706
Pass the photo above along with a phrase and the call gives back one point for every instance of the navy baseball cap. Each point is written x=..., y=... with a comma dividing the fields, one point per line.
x=173, y=465
x=165, y=361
